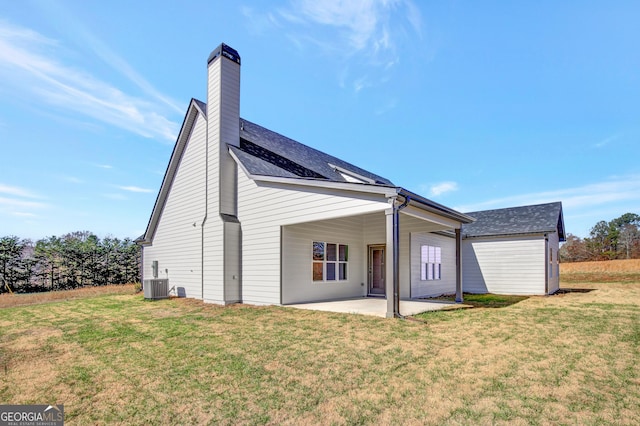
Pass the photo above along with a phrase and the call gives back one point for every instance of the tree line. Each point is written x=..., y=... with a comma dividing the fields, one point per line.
x=617, y=239
x=77, y=259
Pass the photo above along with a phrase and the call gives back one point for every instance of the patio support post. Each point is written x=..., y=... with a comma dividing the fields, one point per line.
x=459, y=298
x=389, y=256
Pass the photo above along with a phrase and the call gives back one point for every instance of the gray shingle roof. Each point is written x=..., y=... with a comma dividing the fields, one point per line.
x=535, y=219
x=267, y=153
x=292, y=157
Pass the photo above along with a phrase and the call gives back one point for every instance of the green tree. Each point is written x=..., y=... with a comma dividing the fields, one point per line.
x=11, y=262
x=600, y=242
x=48, y=252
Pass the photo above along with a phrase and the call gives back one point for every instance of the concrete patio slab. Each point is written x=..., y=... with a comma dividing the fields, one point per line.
x=377, y=306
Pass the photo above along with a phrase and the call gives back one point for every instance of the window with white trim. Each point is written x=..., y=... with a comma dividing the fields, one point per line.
x=431, y=263
x=330, y=261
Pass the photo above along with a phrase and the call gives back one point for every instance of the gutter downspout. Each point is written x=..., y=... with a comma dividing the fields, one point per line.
x=206, y=201
x=396, y=256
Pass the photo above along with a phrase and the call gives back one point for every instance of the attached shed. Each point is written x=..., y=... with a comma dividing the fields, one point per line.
x=513, y=250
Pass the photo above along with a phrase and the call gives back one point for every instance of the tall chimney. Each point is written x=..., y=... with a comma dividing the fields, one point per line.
x=223, y=123
x=222, y=235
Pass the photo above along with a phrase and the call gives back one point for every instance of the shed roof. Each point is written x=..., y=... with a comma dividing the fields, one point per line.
x=534, y=219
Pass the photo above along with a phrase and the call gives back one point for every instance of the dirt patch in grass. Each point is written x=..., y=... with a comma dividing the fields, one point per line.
x=118, y=359
x=25, y=299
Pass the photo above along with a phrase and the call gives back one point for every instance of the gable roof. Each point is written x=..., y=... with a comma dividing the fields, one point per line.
x=263, y=152
x=535, y=219
x=195, y=107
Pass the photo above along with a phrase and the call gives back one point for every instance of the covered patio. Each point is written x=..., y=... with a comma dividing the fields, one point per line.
x=377, y=306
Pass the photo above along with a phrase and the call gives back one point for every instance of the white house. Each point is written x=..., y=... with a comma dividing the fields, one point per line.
x=513, y=250
x=245, y=214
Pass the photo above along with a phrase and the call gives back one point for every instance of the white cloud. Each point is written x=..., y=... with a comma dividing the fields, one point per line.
x=104, y=166
x=616, y=189
x=17, y=191
x=113, y=196
x=135, y=189
x=442, y=188
x=369, y=29
x=606, y=141
x=71, y=179
x=28, y=61
x=11, y=204
x=19, y=201
x=24, y=214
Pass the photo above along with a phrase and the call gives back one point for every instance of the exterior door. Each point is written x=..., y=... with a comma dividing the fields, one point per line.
x=376, y=270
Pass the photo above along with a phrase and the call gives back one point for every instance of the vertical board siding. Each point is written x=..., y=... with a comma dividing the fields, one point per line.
x=504, y=265
x=297, y=283
x=264, y=209
x=177, y=243
x=447, y=284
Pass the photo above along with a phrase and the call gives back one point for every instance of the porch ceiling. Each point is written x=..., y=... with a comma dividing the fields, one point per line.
x=376, y=306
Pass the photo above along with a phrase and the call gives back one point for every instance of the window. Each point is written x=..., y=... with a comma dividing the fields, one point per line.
x=550, y=263
x=431, y=263
x=330, y=261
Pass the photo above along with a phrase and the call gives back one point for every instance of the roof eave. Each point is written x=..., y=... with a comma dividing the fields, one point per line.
x=511, y=234
x=434, y=207
x=172, y=167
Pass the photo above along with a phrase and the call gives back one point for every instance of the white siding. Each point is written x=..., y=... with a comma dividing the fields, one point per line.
x=177, y=242
x=213, y=268
x=554, y=278
x=223, y=105
x=409, y=225
x=506, y=265
x=447, y=284
x=297, y=283
x=264, y=209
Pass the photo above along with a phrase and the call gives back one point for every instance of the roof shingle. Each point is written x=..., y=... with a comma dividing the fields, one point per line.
x=539, y=218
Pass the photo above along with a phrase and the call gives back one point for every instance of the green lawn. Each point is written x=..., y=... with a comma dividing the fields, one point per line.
x=117, y=359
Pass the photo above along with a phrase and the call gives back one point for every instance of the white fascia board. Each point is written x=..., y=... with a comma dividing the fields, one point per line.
x=426, y=215
x=169, y=175
x=508, y=236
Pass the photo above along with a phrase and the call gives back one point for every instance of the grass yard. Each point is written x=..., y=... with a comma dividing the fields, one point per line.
x=572, y=358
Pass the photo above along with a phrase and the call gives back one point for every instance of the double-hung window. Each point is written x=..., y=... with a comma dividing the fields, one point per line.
x=431, y=263
x=330, y=261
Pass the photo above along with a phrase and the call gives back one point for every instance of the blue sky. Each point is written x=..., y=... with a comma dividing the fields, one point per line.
x=476, y=105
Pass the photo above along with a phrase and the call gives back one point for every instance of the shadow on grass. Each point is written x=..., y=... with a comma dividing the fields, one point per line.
x=574, y=290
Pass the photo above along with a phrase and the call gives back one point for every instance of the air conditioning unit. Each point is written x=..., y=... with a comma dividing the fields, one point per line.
x=157, y=288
